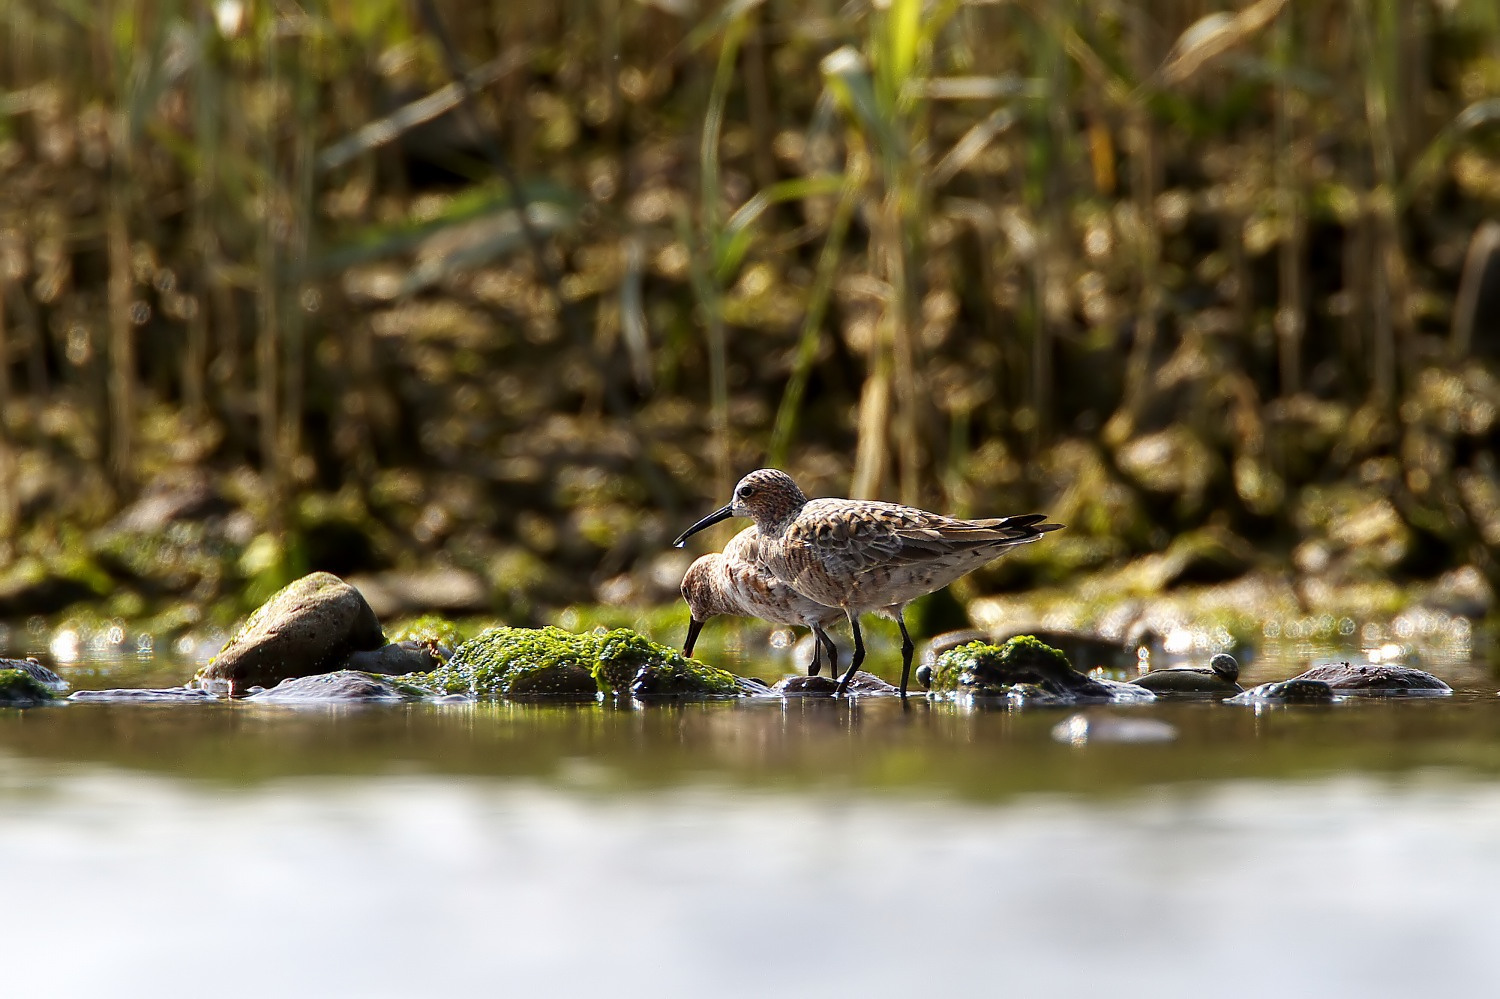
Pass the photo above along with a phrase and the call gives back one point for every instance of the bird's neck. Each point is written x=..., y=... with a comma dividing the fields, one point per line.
x=773, y=530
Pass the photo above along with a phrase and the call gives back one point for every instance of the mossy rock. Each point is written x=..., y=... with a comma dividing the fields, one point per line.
x=981, y=668
x=505, y=662
x=630, y=663
x=41, y=674
x=19, y=689
x=683, y=678
x=550, y=662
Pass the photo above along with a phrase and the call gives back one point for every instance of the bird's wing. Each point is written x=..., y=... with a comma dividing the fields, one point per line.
x=859, y=536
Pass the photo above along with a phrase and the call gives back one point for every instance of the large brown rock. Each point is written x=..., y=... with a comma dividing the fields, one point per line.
x=309, y=627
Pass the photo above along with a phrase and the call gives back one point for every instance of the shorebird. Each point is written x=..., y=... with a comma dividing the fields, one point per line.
x=734, y=582
x=861, y=555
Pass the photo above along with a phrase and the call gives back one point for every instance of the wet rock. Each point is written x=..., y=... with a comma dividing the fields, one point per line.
x=20, y=689
x=825, y=686
x=340, y=685
x=978, y=668
x=145, y=695
x=1220, y=676
x=444, y=590
x=398, y=658
x=305, y=629
x=1374, y=678
x=37, y=672
x=1294, y=691
x=1082, y=729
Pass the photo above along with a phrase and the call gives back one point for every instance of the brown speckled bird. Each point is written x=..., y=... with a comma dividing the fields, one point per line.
x=735, y=582
x=861, y=555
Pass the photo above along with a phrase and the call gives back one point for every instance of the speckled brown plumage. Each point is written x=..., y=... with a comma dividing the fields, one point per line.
x=860, y=555
x=735, y=582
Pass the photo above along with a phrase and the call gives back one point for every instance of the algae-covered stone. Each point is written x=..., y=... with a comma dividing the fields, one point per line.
x=630, y=663
x=679, y=677
x=19, y=689
x=37, y=672
x=529, y=662
x=510, y=662
x=989, y=669
x=341, y=685
x=307, y=628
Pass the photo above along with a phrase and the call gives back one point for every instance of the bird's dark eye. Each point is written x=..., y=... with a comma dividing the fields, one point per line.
x=746, y=492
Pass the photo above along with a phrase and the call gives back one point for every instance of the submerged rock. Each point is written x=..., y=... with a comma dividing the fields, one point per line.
x=20, y=689
x=308, y=627
x=341, y=685
x=1375, y=678
x=825, y=686
x=1293, y=691
x=1022, y=662
x=145, y=695
x=1220, y=676
x=37, y=672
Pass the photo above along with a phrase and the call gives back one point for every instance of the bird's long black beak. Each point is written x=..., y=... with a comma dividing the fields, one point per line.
x=723, y=513
x=694, y=626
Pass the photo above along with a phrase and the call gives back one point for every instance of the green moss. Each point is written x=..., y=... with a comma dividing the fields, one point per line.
x=630, y=663
x=680, y=677
x=521, y=662
x=429, y=629
x=981, y=666
x=623, y=653
x=19, y=688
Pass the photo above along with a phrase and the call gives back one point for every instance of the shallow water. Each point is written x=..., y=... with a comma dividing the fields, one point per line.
x=799, y=848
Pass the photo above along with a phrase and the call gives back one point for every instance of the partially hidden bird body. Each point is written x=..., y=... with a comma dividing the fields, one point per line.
x=736, y=582
x=862, y=555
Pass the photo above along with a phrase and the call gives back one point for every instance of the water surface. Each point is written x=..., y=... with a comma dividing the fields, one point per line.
x=799, y=848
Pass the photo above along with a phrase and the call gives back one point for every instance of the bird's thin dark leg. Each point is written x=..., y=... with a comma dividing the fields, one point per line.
x=907, y=648
x=833, y=650
x=859, y=654
x=694, y=626
x=817, y=662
